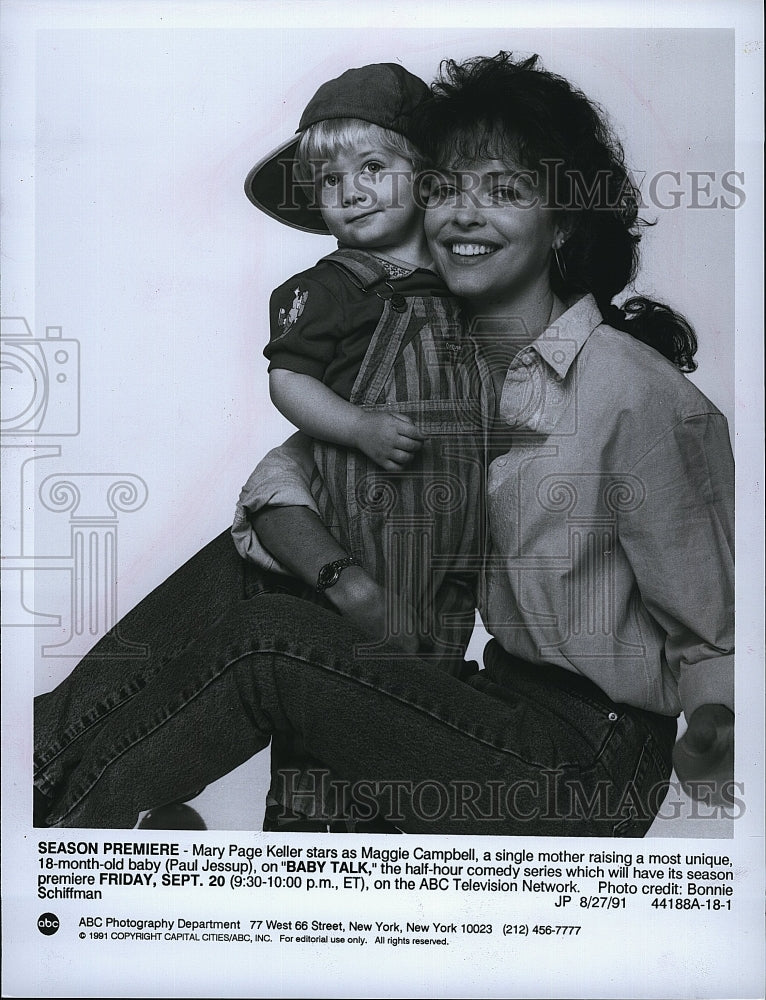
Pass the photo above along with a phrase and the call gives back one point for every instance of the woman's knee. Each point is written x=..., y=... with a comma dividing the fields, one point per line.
x=283, y=623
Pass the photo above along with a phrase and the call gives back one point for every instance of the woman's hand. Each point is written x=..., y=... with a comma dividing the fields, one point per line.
x=391, y=440
x=364, y=603
x=704, y=756
x=298, y=539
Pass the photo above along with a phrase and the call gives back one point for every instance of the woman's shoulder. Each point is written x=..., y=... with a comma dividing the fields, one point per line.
x=643, y=409
x=643, y=379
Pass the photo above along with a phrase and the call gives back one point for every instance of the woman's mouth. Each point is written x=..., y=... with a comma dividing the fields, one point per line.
x=471, y=249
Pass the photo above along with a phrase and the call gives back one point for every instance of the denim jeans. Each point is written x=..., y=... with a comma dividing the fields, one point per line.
x=515, y=749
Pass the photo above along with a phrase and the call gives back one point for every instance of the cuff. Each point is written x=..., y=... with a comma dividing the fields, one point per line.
x=281, y=479
x=248, y=546
x=709, y=682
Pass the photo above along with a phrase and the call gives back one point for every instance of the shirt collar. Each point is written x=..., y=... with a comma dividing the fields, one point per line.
x=560, y=343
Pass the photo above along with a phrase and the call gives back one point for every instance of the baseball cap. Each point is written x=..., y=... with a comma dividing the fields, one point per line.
x=384, y=94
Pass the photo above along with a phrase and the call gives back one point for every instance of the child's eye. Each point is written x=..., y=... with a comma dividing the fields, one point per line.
x=331, y=180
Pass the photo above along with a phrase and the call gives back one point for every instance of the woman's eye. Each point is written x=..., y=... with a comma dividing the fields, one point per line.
x=373, y=167
x=506, y=195
x=518, y=193
x=442, y=192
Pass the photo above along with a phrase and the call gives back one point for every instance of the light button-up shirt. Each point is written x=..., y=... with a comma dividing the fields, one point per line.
x=611, y=519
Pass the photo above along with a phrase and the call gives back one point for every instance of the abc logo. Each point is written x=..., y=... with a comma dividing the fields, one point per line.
x=48, y=923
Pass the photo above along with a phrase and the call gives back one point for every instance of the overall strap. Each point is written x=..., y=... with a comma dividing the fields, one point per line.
x=359, y=265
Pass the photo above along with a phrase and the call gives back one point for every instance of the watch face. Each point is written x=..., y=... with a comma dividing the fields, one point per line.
x=328, y=575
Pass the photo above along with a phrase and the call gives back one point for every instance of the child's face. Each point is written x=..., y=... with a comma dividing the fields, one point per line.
x=367, y=199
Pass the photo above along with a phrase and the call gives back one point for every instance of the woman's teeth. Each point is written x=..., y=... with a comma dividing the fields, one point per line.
x=471, y=249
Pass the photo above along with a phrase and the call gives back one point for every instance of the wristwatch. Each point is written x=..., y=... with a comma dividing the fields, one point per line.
x=330, y=573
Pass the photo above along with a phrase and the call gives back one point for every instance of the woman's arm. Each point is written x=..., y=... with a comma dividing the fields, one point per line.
x=278, y=527
x=680, y=545
x=297, y=538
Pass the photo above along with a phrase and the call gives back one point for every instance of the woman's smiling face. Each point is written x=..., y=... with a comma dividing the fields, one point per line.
x=491, y=235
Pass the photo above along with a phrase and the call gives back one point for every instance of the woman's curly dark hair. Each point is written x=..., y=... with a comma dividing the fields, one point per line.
x=501, y=108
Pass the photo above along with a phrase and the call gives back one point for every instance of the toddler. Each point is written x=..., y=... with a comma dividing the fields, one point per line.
x=368, y=356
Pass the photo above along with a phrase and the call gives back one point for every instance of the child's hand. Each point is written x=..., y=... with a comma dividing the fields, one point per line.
x=704, y=756
x=391, y=440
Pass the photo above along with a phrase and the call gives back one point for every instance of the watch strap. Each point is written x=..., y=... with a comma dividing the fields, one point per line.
x=330, y=573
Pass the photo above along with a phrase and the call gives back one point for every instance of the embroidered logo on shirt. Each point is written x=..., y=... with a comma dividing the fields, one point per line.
x=287, y=320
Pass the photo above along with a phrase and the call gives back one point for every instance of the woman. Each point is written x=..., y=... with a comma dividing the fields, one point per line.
x=608, y=582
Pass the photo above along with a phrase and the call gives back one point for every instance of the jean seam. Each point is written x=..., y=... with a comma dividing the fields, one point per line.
x=581, y=696
x=433, y=715
x=653, y=748
x=628, y=821
x=566, y=721
x=159, y=725
x=141, y=680
x=59, y=748
x=604, y=716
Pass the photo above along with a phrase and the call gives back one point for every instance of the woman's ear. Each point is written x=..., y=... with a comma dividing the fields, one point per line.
x=564, y=229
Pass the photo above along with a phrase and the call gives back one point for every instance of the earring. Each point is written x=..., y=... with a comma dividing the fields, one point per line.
x=560, y=264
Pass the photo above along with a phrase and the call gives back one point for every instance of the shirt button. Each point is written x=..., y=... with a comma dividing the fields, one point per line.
x=613, y=717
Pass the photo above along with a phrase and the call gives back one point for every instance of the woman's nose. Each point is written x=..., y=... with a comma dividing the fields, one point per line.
x=468, y=213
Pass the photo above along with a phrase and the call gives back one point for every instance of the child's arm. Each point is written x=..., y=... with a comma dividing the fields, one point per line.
x=390, y=440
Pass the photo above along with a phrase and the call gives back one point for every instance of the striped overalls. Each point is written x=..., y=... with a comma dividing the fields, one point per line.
x=417, y=532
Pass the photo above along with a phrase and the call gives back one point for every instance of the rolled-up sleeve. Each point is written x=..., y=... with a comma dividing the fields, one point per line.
x=680, y=544
x=281, y=479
